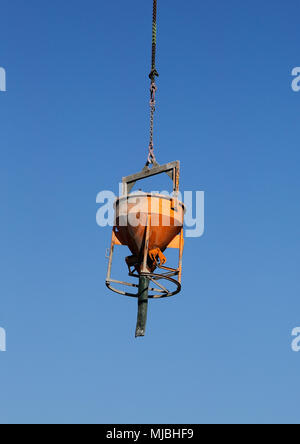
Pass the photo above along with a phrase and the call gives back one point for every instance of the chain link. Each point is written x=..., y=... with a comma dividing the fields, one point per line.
x=153, y=88
x=151, y=156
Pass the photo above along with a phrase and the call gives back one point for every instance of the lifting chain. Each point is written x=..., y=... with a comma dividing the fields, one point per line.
x=153, y=88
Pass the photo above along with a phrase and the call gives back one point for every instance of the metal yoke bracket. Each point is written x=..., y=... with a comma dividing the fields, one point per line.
x=172, y=169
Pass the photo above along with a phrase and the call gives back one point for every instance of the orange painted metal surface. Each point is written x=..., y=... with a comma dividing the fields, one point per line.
x=148, y=224
x=132, y=218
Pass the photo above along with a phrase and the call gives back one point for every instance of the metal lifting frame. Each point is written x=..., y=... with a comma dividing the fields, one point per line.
x=172, y=169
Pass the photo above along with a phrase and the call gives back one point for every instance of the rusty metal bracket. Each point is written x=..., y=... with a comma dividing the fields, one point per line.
x=172, y=169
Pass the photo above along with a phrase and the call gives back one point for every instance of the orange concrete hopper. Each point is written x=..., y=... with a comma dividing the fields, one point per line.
x=143, y=218
x=148, y=224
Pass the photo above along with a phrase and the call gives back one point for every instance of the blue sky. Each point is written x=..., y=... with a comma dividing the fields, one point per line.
x=74, y=120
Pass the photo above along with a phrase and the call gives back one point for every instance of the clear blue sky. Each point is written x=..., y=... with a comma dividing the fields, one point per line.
x=74, y=120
